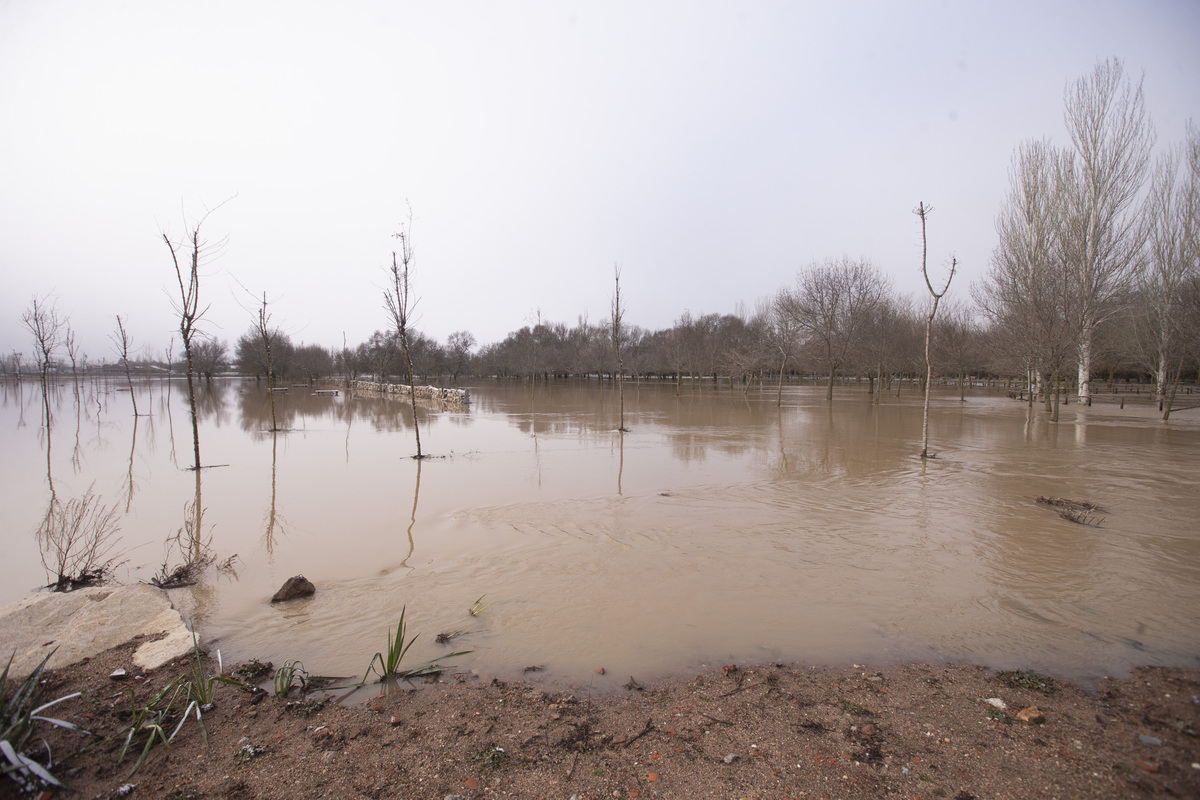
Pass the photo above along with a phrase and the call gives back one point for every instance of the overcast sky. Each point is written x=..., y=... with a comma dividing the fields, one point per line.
x=710, y=148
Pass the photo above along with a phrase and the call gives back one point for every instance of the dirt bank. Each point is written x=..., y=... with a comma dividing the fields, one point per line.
x=775, y=731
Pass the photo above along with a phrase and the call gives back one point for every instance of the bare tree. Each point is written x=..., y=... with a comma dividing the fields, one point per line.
x=618, y=317
x=400, y=303
x=459, y=345
x=1027, y=293
x=781, y=337
x=195, y=250
x=1098, y=183
x=956, y=344
x=42, y=321
x=267, y=337
x=922, y=211
x=209, y=356
x=73, y=353
x=830, y=307
x=122, y=341
x=1173, y=256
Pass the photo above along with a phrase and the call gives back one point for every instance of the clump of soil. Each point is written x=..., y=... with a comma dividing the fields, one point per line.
x=913, y=730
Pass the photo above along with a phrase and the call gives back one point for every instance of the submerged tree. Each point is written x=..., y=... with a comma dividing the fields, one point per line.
x=1100, y=229
x=400, y=303
x=922, y=211
x=42, y=321
x=458, y=347
x=830, y=308
x=122, y=341
x=1173, y=250
x=618, y=317
x=267, y=337
x=195, y=250
x=1027, y=292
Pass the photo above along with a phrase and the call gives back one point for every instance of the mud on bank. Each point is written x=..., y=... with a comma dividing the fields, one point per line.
x=774, y=731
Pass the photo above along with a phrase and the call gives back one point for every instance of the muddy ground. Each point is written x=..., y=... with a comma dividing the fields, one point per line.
x=772, y=731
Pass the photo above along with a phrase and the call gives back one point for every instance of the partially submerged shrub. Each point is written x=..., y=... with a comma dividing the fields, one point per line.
x=77, y=540
x=189, y=550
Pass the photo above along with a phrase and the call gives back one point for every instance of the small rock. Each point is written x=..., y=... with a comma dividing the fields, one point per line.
x=1149, y=740
x=119, y=675
x=329, y=756
x=293, y=587
x=868, y=730
x=600, y=670
x=394, y=721
x=1147, y=766
x=1031, y=715
x=996, y=702
x=471, y=783
x=730, y=758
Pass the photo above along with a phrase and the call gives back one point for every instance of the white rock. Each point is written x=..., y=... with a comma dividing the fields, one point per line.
x=86, y=622
x=996, y=702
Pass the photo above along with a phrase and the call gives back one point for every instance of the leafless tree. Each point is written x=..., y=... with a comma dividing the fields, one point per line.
x=401, y=303
x=1173, y=257
x=956, y=342
x=830, y=307
x=1098, y=183
x=267, y=337
x=922, y=211
x=72, y=344
x=1027, y=293
x=42, y=321
x=194, y=251
x=122, y=341
x=459, y=345
x=209, y=356
x=618, y=318
x=781, y=338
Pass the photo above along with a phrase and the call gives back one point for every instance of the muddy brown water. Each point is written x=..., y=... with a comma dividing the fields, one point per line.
x=720, y=528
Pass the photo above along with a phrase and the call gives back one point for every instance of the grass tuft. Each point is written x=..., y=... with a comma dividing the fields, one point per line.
x=20, y=709
x=388, y=665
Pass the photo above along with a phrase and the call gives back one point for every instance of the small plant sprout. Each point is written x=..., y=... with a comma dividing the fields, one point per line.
x=388, y=666
x=477, y=606
x=291, y=675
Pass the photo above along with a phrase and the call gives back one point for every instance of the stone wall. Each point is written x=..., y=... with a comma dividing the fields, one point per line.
x=450, y=398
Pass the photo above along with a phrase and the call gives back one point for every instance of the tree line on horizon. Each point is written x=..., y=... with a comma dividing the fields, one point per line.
x=1096, y=272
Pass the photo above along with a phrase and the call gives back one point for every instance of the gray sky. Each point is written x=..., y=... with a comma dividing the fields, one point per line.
x=712, y=149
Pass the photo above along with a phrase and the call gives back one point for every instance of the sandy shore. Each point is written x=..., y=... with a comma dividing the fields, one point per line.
x=768, y=731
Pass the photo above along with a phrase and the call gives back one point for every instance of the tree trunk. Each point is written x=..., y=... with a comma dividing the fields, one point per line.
x=1085, y=367
x=191, y=380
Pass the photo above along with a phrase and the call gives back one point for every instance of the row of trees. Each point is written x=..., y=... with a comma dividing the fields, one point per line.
x=841, y=319
x=1099, y=246
x=1096, y=271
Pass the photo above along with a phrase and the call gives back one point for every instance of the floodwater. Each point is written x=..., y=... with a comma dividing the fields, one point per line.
x=720, y=528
